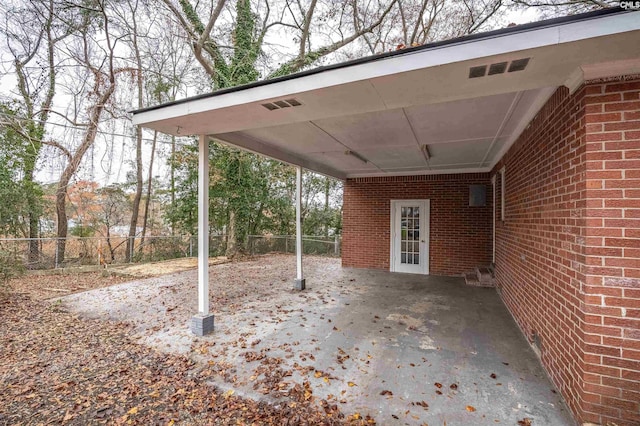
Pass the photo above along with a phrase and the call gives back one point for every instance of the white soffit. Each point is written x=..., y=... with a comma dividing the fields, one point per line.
x=461, y=135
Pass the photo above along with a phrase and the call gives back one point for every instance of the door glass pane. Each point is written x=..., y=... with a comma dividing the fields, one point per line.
x=410, y=235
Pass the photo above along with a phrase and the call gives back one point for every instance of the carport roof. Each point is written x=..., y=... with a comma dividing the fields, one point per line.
x=417, y=110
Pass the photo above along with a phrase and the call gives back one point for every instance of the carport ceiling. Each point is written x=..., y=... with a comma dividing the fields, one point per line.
x=418, y=111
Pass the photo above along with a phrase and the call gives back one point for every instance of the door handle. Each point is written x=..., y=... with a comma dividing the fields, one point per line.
x=422, y=241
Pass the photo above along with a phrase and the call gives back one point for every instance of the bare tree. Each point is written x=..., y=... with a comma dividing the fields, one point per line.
x=34, y=66
x=112, y=205
x=95, y=55
x=553, y=8
x=147, y=203
x=133, y=37
x=319, y=28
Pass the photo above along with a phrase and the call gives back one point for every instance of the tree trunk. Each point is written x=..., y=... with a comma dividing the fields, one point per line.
x=232, y=238
x=149, y=181
x=111, y=249
x=139, y=183
x=34, y=224
x=62, y=228
x=72, y=167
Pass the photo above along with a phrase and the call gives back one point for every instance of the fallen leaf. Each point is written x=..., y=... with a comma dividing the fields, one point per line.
x=351, y=384
x=317, y=374
x=134, y=410
x=438, y=385
x=453, y=386
x=493, y=376
x=525, y=422
x=386, y=392
x=471, y=408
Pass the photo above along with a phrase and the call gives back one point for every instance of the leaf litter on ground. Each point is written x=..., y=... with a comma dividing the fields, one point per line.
x=58, y=368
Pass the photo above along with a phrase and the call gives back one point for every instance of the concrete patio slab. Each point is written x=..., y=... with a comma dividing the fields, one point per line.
x=405, y=349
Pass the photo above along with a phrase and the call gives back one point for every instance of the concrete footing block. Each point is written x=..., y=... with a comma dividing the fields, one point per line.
x=202, y=325
x=300, y=284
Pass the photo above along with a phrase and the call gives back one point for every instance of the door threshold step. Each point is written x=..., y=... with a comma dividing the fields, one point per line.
x=471, y=279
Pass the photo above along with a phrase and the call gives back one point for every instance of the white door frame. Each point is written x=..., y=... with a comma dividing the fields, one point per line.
x=424, y=241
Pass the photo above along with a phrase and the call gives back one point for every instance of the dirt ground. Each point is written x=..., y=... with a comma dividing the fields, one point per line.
x=63, y=368
x=154, y=269
x=42, y=285
x=47, y=286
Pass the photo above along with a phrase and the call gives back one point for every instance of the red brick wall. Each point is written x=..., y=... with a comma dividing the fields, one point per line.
x=539, y=245
x=612, y=282
x=460, y=235
x=567, y=255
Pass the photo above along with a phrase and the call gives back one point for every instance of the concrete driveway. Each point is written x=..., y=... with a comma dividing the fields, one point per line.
x=404, y=349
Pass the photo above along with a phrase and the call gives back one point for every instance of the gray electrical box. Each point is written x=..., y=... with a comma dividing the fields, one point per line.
x=477, y=195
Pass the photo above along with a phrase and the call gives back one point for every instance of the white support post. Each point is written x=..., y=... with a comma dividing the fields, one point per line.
x=300, y=281
x=202, y=323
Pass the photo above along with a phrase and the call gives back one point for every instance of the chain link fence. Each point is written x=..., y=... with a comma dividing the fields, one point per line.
x=263, y=244
x=41, y=253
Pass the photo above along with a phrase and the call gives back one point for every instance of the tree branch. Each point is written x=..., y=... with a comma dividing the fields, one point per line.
x=55, y=144
x=308, y=58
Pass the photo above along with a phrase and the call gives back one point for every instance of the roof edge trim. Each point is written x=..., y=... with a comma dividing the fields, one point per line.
x=436, y=45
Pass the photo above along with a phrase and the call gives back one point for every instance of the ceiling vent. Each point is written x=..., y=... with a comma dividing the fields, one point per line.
x=285, y=103
x=475, y=72
x=498, y=68
x=519, y=64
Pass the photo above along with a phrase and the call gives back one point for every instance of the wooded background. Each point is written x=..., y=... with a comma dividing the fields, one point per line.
x=71, y=163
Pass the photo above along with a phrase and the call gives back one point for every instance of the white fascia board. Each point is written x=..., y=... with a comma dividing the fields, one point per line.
x=251, y=144
x=599, y=27
x=463, y=51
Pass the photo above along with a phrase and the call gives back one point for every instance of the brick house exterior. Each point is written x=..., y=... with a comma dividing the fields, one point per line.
x=460, y=234
x=567, y=252
x=549, y=111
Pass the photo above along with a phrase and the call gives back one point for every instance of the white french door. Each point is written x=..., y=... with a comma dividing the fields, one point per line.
x=410, y=236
